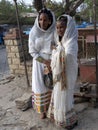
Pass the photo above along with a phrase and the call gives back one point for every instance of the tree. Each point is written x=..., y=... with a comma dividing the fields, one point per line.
x=71, y=6
x=38, y=4
x=8, y=12
x=56, y=7
x=88, y=12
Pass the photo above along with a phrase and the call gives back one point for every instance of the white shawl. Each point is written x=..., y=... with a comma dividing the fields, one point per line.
x=58, y=66
x=42, y=36
x=69, y=42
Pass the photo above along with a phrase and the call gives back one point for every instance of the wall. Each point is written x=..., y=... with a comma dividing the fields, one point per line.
x=87, y=70
x=86, y=31
x=15, y=52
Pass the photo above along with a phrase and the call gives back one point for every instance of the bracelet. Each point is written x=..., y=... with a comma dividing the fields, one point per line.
x=40, y=59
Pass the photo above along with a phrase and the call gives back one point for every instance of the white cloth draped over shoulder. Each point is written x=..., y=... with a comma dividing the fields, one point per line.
x=62, y=101
x=58, y=66
x=69, y=42
x=40, y=45
x=40, y=40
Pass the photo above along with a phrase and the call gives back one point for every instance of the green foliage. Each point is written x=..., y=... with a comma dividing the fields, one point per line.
x=38, y=4
x=88, y=13
x=8, y=12
x=57, y=8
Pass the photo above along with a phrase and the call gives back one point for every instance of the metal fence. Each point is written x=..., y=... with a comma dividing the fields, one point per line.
x=86, y=47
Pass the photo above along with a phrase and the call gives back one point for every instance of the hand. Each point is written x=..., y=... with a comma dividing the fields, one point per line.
x=53, y=47
x=47, y=63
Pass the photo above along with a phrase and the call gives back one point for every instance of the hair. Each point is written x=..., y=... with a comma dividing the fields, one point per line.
x=62, y=19
x=48, y=12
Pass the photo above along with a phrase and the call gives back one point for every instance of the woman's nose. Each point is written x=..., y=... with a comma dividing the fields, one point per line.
x=42, y=22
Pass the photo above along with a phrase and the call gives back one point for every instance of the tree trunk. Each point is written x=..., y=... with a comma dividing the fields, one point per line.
x=38, y=4
x=72, y=5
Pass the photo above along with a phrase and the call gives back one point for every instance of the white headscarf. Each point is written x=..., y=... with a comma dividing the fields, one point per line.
x=36, y=31
x=69, y=40
x=70, y=46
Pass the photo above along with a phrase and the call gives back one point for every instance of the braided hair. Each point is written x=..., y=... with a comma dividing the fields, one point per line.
x=48, y=12
x=62, y=19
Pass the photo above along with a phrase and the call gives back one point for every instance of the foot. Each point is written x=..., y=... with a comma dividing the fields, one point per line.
x=43, y=116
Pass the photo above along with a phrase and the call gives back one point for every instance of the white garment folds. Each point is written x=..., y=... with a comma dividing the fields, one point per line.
x=62, y=101
x=40, y=45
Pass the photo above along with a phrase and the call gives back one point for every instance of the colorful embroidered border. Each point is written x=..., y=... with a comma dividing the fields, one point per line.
x=41, y=101
x=68, y=122
x=70, y=117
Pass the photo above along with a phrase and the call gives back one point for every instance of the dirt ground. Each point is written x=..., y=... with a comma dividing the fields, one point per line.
x=12, y=118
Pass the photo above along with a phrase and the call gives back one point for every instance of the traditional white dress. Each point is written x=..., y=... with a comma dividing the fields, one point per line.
x=40, y=45
x=61, y=108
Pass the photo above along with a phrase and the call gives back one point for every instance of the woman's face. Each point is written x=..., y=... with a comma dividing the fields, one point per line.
x=44, y=21
x=60, y=26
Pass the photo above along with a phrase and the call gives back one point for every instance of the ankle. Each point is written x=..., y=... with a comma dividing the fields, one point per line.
x=43, y=115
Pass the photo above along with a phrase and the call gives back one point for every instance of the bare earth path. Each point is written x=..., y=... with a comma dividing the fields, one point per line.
x=12, y=118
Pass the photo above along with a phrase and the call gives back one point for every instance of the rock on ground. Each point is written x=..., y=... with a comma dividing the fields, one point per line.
x=12, y=118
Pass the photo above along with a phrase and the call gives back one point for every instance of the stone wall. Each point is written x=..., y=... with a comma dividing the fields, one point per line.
x=15, y=52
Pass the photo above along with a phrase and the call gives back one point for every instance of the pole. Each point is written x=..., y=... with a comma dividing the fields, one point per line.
x=17, y=16
x=96, y=45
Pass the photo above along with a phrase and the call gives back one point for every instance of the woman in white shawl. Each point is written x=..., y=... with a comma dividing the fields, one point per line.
x=64, y=67
x=40, y=39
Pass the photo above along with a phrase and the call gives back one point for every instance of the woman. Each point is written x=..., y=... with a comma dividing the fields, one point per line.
x=64, y=67
x=40, y=39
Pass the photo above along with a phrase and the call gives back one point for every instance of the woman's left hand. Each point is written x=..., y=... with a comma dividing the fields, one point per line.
x=47, y=62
